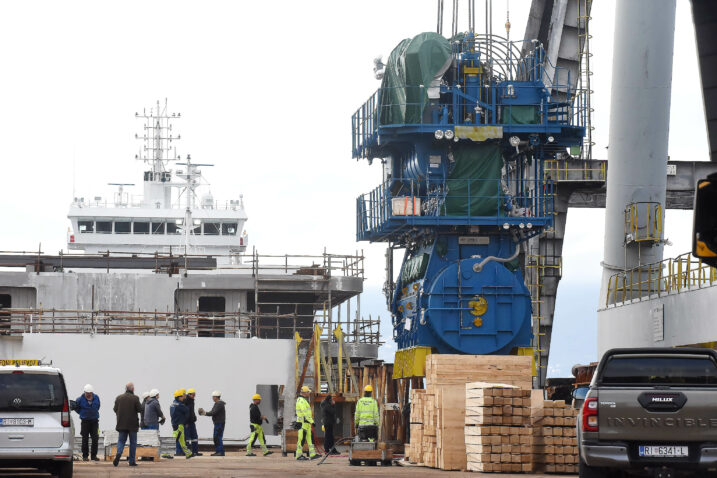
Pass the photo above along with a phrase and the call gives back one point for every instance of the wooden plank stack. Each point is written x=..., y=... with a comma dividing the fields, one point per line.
x=440, y=409
x=498, y=431
x=555, y=437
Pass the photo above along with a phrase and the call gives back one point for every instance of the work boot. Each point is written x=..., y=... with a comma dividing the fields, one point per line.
x=115, y=462
x=198, y=454
x=133, y=464
x=217, y=454
x=251, y=454
x=315, y=456
x=302, y=457
x=94, y=458
x=84, y=458
x=179, y=454
x=189, y=456
x=267, y=452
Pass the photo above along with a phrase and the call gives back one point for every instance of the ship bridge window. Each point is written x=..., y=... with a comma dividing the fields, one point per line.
x=141, y=227
x=172, y=228
x=157, y=228
x=104, y=227
x=211, y=228
x=229, y=229
x=86, y=226
x=123, y=227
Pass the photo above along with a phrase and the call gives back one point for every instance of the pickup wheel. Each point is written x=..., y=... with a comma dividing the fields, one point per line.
x=585, y=471
x=64, y=470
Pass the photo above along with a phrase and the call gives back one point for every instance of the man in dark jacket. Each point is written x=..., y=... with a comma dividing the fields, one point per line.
x=179, y=414
x=219, y=418
x=190, y=429
x=257, y=431
x=328, y=419
x=127, y=408
x=88, y=407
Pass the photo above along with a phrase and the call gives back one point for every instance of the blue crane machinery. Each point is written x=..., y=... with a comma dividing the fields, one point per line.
x=462, y=127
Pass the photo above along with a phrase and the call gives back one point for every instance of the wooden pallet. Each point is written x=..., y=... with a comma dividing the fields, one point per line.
x=141, y=452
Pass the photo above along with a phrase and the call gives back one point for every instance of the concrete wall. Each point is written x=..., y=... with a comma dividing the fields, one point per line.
x=679, y=319
x=233, y=366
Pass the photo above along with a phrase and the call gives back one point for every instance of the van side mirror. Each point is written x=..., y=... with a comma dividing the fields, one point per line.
x=704, y=229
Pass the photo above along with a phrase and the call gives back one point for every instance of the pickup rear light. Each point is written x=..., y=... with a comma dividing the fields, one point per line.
x=590, y=415
x=65, y=415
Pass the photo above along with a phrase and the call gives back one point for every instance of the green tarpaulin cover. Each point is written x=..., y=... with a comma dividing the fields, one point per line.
x=520, y=114
x=477, y=171
x=414, y=62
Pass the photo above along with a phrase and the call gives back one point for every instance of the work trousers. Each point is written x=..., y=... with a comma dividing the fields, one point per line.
x=328, y=438
x=218, y=437
x=257, y=432
x=305, y=434
x=151, y=427
x=89, y=428
x=122, y=439
x=192, y=438
x=181, y=442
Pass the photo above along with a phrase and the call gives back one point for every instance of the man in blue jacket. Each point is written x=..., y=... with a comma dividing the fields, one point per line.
x=88, y=406
x=179, y=414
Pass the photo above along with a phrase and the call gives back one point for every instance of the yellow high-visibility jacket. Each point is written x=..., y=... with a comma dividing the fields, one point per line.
x=366, y=412
x=303, y=411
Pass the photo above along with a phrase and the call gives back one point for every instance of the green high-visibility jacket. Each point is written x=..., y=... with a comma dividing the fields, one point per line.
x=303, y=411
x=366, y=412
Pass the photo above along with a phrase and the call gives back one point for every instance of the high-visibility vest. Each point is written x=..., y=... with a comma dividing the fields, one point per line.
x=366, y=412
x=303, y=410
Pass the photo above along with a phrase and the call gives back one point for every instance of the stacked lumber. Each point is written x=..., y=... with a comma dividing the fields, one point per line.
x=438, y=413
x=498, y=432
x=555, y=437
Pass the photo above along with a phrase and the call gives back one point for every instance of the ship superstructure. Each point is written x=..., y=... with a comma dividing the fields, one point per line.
x=170, y=215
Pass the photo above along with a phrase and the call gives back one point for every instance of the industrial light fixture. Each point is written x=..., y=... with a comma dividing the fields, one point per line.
x=514, y=141
x=550, y=139
x=506, y=226
x=529, y=225
x=449, y=134
x=521, y=225
x=438, y=134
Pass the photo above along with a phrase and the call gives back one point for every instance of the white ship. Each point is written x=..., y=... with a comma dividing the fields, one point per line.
x=160, y=290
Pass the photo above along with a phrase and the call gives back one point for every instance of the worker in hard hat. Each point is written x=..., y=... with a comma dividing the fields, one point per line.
x=255, y=421
x=219, y=418
x=143, y=403
x=191, y=429
x=366, y=415
x=153, y=416
x=87, y=406
x=305, y=417
x=179, y=413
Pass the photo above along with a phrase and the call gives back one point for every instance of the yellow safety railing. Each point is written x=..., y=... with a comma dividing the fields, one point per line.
x=669, y=276
x=561, y=170
x=643, y=222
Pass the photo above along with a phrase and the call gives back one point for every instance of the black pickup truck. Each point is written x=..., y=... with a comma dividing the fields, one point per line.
x=651, y=412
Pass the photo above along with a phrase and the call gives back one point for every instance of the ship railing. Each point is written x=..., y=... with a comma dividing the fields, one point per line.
x=563, y=170
x=445, y=202
x=137, y=201
x=670, y=276
x=17, y=321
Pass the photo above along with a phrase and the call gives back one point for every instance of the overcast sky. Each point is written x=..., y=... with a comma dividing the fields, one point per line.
x=266, y=91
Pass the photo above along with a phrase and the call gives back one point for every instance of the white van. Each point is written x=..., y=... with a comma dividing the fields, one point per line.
x=35, y=426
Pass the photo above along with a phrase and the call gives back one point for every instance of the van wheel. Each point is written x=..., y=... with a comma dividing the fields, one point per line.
x=64, y=470
x=585, y=471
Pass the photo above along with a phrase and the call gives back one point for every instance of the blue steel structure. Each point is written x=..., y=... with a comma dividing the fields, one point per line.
x=460, y=288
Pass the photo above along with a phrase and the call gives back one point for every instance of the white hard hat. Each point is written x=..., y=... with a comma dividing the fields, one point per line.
x=89, y=389
x=144, y=395
x=216, y=393
x=154, y=392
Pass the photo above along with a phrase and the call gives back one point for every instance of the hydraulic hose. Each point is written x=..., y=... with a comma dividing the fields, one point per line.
x=479, y=267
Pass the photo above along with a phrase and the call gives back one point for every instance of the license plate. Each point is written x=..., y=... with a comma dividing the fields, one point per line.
x=17, y=422
x=669, y=451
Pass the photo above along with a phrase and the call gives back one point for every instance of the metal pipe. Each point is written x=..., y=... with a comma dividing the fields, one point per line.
x=478, y=267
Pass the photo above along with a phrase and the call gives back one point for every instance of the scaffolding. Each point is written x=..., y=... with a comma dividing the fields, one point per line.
x=584, y=55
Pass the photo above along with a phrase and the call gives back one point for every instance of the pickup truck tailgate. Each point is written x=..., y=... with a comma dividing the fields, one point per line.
x=657, y=415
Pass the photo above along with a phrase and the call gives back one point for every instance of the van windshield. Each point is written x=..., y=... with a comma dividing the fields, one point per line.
x=31, y=391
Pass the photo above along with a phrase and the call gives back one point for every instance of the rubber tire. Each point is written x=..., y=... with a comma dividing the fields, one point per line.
x=64, y=469
x=372, y=463
x=585, y=471
x=355, y=462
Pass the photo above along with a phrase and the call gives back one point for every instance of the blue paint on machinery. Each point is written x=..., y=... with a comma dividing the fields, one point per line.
x=465, y=139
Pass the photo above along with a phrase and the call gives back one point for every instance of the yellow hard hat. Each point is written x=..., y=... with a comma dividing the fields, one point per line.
x=256, y=396
x=178, y=393
x=181, y=391
x=305, y=389
x=191, y=390
x=368, y=388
